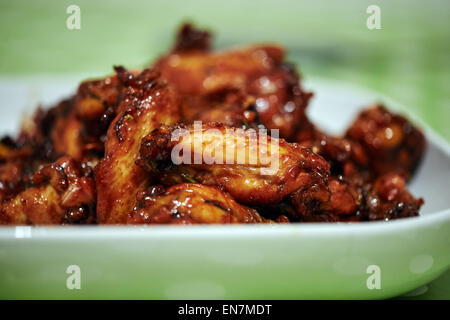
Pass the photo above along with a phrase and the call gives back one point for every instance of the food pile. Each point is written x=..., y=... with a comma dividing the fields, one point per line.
x=105, y=155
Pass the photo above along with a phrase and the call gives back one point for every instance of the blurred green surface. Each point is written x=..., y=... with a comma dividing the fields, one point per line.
x=408, y=59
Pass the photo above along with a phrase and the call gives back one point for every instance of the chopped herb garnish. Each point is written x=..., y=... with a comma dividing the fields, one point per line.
x=246, y=124
x=188, y=178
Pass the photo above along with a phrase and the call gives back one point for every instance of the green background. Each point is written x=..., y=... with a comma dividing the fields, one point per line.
x=408, y=59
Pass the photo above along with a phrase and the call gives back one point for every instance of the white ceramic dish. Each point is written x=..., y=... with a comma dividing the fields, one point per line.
x=283, y=261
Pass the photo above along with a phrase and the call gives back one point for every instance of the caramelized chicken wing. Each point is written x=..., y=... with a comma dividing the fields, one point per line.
x=389, y=199
x=190, y=203
x=233, y=109
x=392, y=143
x=12, y=179
x=61, y=192
x=77, y=126
x=346, y=157
x=257, y=71
x=254, y=168
x=147, y=102
x=337, y=197
x=385, y=199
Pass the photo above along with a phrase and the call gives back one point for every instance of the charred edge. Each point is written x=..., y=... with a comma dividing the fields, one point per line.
x=119, y=124
x=124, y=76
x=190, y=38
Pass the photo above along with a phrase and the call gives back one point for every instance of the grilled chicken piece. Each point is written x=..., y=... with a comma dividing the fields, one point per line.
x=76, y=126
x=74, y=129
x=82, y=133
x=190, y=203
x=346, y=157
x=337, y=197
x=389, y=199
x=147, y=103
x=254, y=168
x=16, y=168
x=10, y=152
x=233, y=109
x=369, y=163
x=386, y=198
x=61, y=192
x=205, y=78
x=392, y=143
x=12, y=179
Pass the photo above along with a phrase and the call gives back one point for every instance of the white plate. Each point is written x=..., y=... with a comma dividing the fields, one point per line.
x=283, y=261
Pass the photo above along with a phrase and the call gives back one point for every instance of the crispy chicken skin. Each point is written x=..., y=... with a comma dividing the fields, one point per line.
x=206, y=78
x=190, y=203
x=392, y=143
x=61, y=192
x=147, y=102
x=262, y=174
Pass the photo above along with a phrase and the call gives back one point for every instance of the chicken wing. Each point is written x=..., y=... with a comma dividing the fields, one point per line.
x=386, y=198
x=253, y=168
x=190, y=203
x=61, y=192
x=257, y=71
x=389, y=199
x=77, y=126
x=392, y=143
x=147, y=102
x=346, y=157
x=337, y=197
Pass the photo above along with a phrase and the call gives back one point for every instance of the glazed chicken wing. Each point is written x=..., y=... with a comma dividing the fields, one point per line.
x=253, y=168
x=346, y=157
x=388, y=198
x=61, y=192
x=147, y=103
x=190, y=203
x=364, y=164
x=205, y=78
x=385, y=199
x=337, y=197
x=391, y=141
x=77, y=126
